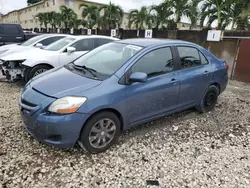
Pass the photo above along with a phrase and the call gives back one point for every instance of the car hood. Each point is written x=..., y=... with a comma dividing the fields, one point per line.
x=61, y=82
x=15, y=49
x=7, y=47
x=32, y=53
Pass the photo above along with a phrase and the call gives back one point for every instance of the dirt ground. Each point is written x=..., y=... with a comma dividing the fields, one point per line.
x=187, y=149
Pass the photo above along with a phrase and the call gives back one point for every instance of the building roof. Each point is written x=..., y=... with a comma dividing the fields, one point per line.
x=151, y=42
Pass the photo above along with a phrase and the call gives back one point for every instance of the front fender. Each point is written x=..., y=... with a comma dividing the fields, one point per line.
x=33, y=63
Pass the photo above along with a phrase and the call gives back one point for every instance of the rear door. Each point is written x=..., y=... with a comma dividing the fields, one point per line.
x=11, y=33
x=195, y=74
x=82, y=46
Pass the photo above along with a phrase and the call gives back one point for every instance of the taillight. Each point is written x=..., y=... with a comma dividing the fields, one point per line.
x=227, y=66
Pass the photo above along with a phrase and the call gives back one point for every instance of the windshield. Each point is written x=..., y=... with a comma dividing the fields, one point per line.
x=107, y=59
x=58, y=45
x=33, y=40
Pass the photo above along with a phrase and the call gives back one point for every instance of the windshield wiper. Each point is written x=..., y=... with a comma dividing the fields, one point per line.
x=90, y=70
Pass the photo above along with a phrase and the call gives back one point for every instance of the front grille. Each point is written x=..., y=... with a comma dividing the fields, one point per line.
x=28, y=103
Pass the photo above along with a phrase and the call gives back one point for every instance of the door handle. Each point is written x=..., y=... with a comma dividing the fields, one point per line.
x=18, y=37
x=173, y=81
x=206, y=73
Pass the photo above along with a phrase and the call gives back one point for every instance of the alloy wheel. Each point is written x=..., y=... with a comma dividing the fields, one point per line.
x=102, y=133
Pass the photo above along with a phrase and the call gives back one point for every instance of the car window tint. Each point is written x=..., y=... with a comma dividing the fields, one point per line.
x=156, y=62
x=11, y=29
x=50, y=40
x=100, y=41
x=189, y=56
x=204, y=60
x=84, y=45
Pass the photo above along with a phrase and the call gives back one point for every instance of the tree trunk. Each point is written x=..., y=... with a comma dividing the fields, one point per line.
x=219, y=18
x=233, y=23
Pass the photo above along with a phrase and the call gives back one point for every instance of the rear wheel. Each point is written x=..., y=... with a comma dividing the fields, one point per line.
x=100, y=132
x=209, y=100
x=39, y=69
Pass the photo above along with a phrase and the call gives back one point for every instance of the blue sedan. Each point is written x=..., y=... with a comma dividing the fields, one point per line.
x=90, y=101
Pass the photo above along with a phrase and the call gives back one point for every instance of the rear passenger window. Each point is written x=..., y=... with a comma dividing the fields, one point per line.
x=204, y=60
x=155, y=63
x=191, y=57
x=84, y=45
x=100, y=42
x=11, y=29
x=50, y=40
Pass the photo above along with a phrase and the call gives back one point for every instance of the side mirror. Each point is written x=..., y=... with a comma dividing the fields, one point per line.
x=71, y=50
x=39, y=45
x=138, y=77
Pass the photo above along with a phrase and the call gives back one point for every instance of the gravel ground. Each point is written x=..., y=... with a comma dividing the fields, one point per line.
x=185, y=150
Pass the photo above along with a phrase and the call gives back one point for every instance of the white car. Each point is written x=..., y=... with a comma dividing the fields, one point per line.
x=40, y=41
x=35, y=61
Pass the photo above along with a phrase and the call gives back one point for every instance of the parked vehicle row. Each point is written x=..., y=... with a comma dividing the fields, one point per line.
x=13, y=33
x=45, y=52
x=90, y=100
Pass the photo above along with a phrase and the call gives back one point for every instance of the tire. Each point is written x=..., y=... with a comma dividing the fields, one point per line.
x=34, y=71
x=209, y=99
x=92, y=125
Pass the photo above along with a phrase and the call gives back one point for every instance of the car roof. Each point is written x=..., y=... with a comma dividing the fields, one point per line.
x=152, y=42
x=94, y=36
x=54, y=34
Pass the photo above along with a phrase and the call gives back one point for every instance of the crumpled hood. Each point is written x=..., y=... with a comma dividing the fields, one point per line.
x=32, y=53
x=60, y=82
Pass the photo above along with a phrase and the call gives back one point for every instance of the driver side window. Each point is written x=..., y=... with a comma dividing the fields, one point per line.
x=190, y=57
x=156, y=62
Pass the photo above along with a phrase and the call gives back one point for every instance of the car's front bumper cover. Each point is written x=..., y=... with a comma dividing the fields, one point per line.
x=61, y=131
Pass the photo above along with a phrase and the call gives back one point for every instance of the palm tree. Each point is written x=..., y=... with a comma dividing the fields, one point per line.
x=90, y=13
x=239, y=14
x=139, y=18
x=51, y=19
x=41, y=17
x=213, y=9
x=58, y=19
x=226, y=12
x=180, y=8
x=67, y=15
x=193, y=12
x=161, y=14
x=76, y=23
x=112, y=16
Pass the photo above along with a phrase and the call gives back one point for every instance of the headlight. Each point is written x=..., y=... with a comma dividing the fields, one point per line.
x=67, y=105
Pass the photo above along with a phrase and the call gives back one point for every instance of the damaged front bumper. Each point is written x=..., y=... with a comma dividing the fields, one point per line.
x=12, y=70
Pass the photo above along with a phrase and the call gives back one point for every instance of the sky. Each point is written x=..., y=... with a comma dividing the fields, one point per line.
x=9, y=5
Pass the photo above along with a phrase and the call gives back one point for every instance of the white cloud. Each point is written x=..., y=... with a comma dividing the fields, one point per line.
x=10, y=5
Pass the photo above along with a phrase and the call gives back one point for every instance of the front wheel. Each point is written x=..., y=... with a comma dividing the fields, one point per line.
x=100, y=132
x=209, y=100
x=39, y=69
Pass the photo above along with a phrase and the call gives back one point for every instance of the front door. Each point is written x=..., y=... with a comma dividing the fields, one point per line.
x=82, y=47
x=159, y=94
x=195, y=74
